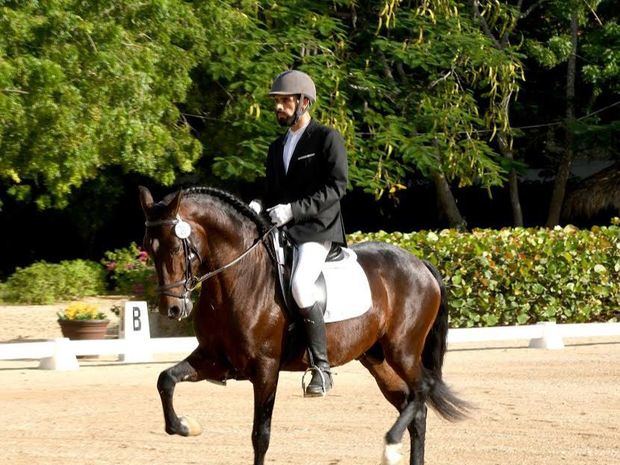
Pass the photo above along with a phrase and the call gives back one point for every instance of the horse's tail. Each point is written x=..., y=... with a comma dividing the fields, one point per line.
x=439, y=395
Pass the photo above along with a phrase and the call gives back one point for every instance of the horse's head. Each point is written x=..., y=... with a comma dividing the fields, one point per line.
x=171, y=241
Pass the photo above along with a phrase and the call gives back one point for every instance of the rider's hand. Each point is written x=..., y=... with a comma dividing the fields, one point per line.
x=256, y=206
x=281, y=214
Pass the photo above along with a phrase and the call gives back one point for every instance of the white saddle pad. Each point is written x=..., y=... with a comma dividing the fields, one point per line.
x=348, y=291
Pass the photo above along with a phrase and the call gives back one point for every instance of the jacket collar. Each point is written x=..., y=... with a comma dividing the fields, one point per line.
x=311, y=126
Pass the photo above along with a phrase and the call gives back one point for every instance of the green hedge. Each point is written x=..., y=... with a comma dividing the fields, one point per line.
x=46, y=283
x=522, y=276
x=505, y=277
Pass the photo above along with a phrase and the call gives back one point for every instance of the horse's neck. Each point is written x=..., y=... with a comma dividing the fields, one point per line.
x=237, y=304
x=225, y=242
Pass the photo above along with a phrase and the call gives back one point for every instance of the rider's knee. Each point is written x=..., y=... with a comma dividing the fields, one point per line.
x=303, y=293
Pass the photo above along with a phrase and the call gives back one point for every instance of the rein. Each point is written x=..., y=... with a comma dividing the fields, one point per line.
x=183, y=231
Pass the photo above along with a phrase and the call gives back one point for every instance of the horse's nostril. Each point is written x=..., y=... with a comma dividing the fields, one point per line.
x=174, y=312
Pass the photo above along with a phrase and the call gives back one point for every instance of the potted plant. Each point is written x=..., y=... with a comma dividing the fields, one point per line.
x=81, y=320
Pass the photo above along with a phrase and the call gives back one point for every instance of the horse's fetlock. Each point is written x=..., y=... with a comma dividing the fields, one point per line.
x=170, y=430
x=391, y=439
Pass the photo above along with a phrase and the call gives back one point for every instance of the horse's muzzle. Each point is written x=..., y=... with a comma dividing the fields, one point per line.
x=177, y=312
x=174, y=312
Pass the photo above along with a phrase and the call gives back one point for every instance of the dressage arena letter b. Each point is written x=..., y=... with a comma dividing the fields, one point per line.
x=135, y=321
x=136, y=331
x=137, y=324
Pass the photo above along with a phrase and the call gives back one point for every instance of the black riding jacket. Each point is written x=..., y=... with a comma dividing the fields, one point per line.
x=315, y=183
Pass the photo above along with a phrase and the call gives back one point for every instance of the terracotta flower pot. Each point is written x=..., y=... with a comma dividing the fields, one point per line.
x=84, y=329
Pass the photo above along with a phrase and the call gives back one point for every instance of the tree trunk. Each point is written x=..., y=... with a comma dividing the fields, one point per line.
x=447, y=202
x=561, y=178
x=501, y=42
x=513, y=181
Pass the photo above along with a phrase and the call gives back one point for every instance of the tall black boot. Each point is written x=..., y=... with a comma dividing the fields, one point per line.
x=314, y=326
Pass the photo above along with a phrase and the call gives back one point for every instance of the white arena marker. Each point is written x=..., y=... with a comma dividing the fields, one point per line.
x=62, y=358
x=550, y=339
x=136, y=332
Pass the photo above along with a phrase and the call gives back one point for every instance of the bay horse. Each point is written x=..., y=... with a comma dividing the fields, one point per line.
x=206, y=234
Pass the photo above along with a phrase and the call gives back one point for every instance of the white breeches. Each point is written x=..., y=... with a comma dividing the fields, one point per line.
x=308, y=264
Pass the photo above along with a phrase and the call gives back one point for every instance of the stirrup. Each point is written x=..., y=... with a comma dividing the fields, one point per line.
x=311, y=369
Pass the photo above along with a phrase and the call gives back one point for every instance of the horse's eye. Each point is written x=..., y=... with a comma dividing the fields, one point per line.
x=175, y=250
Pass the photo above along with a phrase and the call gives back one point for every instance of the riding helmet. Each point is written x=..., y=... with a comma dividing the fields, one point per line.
x=294, y=82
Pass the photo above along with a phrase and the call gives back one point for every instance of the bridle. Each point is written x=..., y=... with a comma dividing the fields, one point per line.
x=182, y=230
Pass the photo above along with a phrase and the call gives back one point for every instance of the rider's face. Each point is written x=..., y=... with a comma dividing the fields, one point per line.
x=285, y=108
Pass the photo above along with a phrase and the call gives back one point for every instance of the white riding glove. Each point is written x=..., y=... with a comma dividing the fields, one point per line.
x=281, y=214
x=256, y=206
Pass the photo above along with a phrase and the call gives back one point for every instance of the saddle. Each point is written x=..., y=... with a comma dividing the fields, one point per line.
x=342, y=280
x=284, y=251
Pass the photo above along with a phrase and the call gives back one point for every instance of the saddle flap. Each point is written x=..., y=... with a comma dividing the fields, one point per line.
x=347, y=287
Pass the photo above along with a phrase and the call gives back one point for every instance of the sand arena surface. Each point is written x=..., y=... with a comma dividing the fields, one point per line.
x=533, y=407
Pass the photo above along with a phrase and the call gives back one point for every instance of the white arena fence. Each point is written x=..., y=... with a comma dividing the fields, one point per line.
x=60, y=354
x=138, y=347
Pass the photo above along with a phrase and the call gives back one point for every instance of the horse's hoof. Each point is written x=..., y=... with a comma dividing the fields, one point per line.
x=392, y=454
x=190, y=427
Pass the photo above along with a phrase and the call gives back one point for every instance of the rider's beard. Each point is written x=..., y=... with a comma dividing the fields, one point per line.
x=284, y=120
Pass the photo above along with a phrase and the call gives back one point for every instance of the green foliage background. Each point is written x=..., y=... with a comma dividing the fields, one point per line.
x=92, y=92
x=506, y=277
x=522, y=275
x=416, y=88
x=46, y=283
x=89, y=84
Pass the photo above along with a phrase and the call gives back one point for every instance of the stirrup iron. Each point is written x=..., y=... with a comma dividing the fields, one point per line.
x=312, y=369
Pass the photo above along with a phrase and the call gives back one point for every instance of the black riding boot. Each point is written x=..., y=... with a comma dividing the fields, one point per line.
x=317, y=342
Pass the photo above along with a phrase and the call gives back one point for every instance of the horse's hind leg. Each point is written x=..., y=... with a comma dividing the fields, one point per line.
x=413, y=416
x=194, y=368
x=394, y=389
x=417, y=431
x=412, y=411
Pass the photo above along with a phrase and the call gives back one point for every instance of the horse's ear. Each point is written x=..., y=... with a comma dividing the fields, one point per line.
x=175, y=203
x=146, y=199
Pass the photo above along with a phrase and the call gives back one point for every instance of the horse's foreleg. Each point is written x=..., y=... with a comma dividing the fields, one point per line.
x=193, y=368
x=265, y=384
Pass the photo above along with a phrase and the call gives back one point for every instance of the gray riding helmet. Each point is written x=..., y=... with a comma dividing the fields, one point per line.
x=294, y=82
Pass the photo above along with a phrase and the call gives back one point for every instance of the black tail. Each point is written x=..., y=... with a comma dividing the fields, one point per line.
x=440, y=396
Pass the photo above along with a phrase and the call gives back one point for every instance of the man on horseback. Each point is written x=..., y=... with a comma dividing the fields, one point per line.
x=306, y=172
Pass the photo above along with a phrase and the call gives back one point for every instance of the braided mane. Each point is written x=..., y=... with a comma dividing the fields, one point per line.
x=234, y=202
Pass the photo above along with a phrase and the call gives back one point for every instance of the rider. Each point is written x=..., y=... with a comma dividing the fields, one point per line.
x=306, y=178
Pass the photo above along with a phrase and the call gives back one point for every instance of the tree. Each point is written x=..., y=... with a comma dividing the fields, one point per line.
x=415, y=90
x=85, y=85
x=250, y=43
x=559, y=36
x=499, y=22
x=447, y=83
